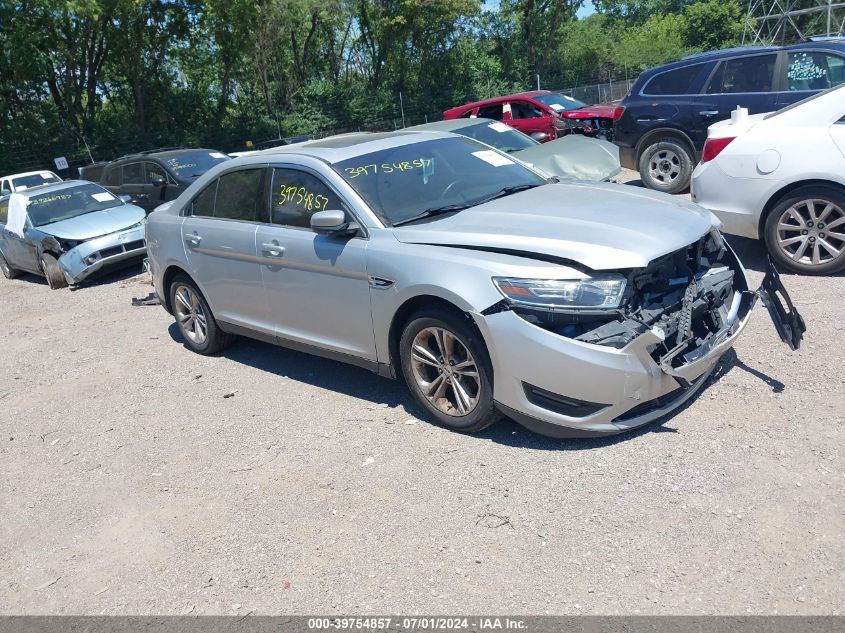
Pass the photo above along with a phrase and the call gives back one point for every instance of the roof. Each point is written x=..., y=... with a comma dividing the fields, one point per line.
x=447, y=125
x=334, y=149
x=164, y=154
x=55, y=186
x=28, y=173
x=515, y=95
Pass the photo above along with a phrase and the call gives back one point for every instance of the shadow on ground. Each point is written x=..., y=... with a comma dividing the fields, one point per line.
x=364, y=385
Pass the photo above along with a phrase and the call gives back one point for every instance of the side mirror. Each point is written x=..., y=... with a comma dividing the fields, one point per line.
x=158, y=181
x=331, y=222
x=539, y=136
x=126, y=199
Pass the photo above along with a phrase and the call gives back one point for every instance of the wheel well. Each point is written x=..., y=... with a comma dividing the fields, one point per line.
x=406, y=311
x=652, y=136
x=167, y=279
x=784, y=191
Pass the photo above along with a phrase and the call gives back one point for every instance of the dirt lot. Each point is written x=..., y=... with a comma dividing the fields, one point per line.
x=140, y=478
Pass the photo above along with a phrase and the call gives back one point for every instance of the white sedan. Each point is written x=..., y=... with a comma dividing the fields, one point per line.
x=780, y=177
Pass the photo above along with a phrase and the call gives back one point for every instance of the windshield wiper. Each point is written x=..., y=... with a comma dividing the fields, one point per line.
x=506, y=191
x=433, y=212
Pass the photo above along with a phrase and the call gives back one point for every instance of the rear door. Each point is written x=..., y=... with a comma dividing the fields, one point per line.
x=135, y=184
x=159, y=183
x=317, y=285
x=748, y=81
x=219, y=237
x=808, y=72
x=493, y=111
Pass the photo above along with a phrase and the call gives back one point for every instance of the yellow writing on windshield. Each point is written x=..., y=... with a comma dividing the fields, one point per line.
x=387, y=168
x=177, y=166
x=301, y=197
x=47, y=199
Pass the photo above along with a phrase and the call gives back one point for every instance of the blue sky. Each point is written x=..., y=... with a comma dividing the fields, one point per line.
x=583, y=12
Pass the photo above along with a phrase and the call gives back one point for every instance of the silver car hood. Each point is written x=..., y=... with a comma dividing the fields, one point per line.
x=574, y=156
x=601, y=226
x=96, y=223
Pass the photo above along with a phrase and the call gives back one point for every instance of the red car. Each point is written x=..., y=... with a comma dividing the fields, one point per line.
x=542, y=114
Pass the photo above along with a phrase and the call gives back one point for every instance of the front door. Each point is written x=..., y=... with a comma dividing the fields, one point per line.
x=316, y=285
x=219, y=238
x=530, y=119
x=18, y=251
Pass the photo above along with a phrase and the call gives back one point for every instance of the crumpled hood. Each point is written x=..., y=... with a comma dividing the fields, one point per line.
x=96, y=223
x=599, y=225
x=574, y=156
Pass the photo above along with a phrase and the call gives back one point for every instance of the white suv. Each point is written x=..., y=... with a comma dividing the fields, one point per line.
x=26, y=180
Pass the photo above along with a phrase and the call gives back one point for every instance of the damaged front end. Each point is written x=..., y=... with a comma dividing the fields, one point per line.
x=80, y=259
x=684, y=310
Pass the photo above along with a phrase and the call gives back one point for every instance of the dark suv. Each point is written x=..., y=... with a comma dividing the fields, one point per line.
x=664, y=125
x=151, y=178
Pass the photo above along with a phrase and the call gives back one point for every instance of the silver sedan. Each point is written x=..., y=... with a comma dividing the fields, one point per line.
x=576, y=309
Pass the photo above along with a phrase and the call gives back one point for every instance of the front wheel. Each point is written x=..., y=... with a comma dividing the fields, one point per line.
x=666, y=165
x=448, y=371
x=50, y=268
x=805, y=231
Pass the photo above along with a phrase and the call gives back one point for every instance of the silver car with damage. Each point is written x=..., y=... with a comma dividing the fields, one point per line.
x=576, y=309
x=68, y=231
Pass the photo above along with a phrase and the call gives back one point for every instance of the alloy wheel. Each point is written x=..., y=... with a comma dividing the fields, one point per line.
x=190, y=315
x=664, y=166
x=812, y=232
x=445, y=371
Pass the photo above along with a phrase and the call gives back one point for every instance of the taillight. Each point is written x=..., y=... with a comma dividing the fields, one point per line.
x=714, y=146
x=617, y=112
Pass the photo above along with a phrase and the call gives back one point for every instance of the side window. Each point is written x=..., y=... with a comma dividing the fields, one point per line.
x=133, y=174
x=112, y=177
x=467, y=114
x=814, y=71
x=297, y=195
x=153, y=172
x=673, y=82
x=241, y=196
x=525, y=110
x=4, y=210
x=203, y=204
x=4, y=186
x=743, y=74
x=491, y=112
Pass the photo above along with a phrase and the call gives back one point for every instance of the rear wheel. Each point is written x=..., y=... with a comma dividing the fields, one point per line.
x=194, y=319
x=805, y=231
x=448, y=371
x=666, y=165
x=8, y=271
x=50, y=268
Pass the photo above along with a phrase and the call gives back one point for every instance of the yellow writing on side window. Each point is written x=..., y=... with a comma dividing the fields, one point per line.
x=388, y=168
x=301, y=197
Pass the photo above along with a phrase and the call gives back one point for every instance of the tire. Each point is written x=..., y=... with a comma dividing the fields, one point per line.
x=470, y=407
x=803, y=225
x=50, y=268
x=666, y=165
x=8, y=271
x=194, y=319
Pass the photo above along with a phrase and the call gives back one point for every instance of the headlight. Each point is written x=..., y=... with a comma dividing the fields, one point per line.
x=598, y=292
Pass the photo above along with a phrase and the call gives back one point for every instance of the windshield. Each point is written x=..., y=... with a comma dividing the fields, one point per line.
x=499, y=135
x=559, y=103
x=34, y=180
x=69, y=203
x=194, y=164
x=402, y=182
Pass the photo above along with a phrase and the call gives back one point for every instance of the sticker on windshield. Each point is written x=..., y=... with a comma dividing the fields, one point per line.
x=556, y=107
x=102, y=197
x=216, y=155
x=568, y=98
x=494, y=158
x=499, y=127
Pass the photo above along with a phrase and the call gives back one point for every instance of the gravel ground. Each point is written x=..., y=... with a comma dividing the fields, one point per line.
x=139, y=478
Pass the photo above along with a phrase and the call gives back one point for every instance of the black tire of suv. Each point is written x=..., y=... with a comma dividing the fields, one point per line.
x=216, y=339
x=54, y=275
x=8, y=271
x=770, y=229
x=685, y=165
x=485, y=413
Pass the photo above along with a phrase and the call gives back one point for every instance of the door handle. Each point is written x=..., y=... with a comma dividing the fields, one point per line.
x=193, y=240
x=650, y=119
x=272, y=249
x=708, y=113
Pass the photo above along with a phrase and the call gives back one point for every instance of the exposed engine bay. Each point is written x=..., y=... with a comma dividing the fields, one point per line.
x=691, y=296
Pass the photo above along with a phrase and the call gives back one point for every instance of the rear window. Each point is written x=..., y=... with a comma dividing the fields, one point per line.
x=194, y=164
x=673, y=82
